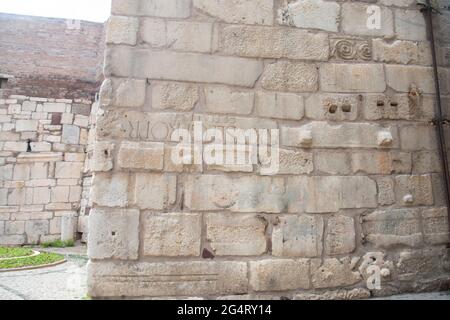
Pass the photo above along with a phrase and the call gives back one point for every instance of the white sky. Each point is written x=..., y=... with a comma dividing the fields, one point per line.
x=90, y=10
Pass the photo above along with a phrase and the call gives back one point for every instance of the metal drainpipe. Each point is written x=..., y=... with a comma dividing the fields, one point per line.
x=438, y=121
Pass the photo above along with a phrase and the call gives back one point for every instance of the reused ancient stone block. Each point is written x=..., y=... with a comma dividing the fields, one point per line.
x=141, y=155
x=122, y=30
x=417, y=188
x=387, y=229
x=435, y=226
x=298, y=236
x=176, y=96
x=156, y=279
x=290, y=77
x=155, y=191
x=341, y=235
x=279, y=275
x=171, y=234
x=279, y=105
x=238, y=11
x=331, y=273
x=239, y=235
x=225, y=100
x=116, y=239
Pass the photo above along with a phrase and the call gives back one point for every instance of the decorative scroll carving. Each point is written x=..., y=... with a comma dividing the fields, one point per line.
x=350, y=49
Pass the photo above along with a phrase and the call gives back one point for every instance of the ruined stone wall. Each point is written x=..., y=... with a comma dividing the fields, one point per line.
x=51, y=58
x=359, y=190
x=42, y=163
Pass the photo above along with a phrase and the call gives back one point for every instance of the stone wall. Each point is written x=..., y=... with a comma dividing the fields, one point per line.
x=51, y=58
x=358, y=194
x=42, y=158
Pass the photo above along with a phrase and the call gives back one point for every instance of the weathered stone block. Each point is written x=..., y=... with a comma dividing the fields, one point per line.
x=122, y=30
x=128, y=93
x=418, y=137
x=402, y=52
x=227, y=100
x=238, y=11
x=70, y=134
x=172, y=234
x=26, y=125
x=153, y=32
x=176, y=96
x=291, y=162
x=244, y=194
x=401, y=78
x=290, y=76
x=162, y=65
x=114, y=234
x=102, y=156
x=261, y=42
x=409, y=25
x=298, y=236
x=330, y=194
x=386, y=194
x=435, y=226
x=155, y=191
x=353, y=294
x=240, y=235
x=381, y=162
x=331, y=273
x=414, y=190
x=357, y=19
x=341, y=235
x=110, y=190
x=279, y=275
x=141, y=155
x=332, y=107
x=145, y=279
x=348, y=135
x=279, y=105
x=34, y=229
x=311, y=14
x=68, y=170
x=387, y=229
x=190, y=36
x=352, y=78
x=336, y=163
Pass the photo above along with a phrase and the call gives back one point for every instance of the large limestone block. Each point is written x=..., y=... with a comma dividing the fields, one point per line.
x=357, y=20
x=176, y=96
x=244, y=194
x=191, y=67
x=414, y=190
x=341, y=235
x=330, y=194
x=435, y=226
x=410, y=25
x=141, y=155
x=227, y=100
x=171, y=234
x=291, y=162
x=387, y=229
x=298, y=236
x=348, y=135
x=352, y=78
x=273, y=43
x=331, y=273
x=122, y=30
x=290, y=76
x=279, y=105
x=279, y=275
x=238, y=11
x=114, y=234
x=379, y=162
x=239, y=235
x=402, y=78
x=156, y=8
x=402, y=52
x=145, y=279
x=418, y=137
x=311, y=14
x=155, y=191
x=141, y=126
x=332, y=107
x=69, y=170
x=110, y=190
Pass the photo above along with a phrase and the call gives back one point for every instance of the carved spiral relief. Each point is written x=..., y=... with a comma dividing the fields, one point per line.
x=345, y=50
x=348, y=49
x=364, y=51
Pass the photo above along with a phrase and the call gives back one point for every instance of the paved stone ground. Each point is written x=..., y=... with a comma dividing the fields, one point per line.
x=68, y=281
x=63, y=282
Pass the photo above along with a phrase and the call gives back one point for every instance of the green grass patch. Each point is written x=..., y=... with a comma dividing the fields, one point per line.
x=42, y=259
x=14, y=252
x=58, y=244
